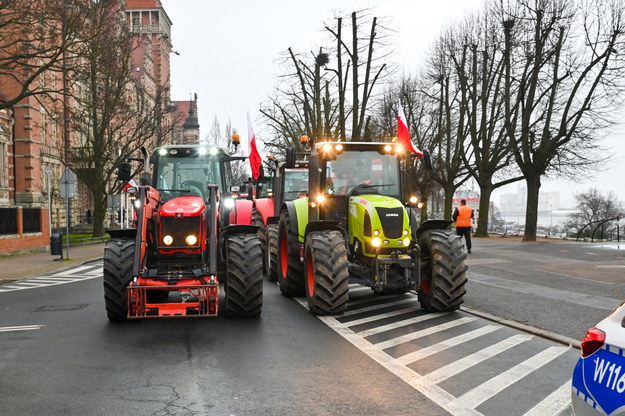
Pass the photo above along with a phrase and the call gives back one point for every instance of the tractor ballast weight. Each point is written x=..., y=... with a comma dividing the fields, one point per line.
x=357, y=226
x=186, y=240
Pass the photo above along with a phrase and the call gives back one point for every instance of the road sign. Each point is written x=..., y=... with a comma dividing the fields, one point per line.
x=68, y=184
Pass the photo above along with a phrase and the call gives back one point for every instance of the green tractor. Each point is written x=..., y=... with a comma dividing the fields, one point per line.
x=354, y=227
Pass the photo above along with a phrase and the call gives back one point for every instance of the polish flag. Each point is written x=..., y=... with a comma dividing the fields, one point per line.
x=255, y=159
x=403, y=134
x=131, y=184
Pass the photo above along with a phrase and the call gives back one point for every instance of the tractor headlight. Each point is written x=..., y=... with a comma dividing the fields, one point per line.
x=399, y=149
x=406, y=241
x=388, y=148
x=168, y=240
x=320, y=198
x=406, y=232
x=376, y=232
x=327, y=147
x=213, y=151
x=191, y=240
x=376, y=242
x=137, y=203
x=338, y=148
x=229, y=203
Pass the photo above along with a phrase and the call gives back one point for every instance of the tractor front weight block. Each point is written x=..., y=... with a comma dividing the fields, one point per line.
x=199, y=299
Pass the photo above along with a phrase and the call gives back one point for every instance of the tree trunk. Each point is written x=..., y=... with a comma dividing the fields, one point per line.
x=99, y=213
x=449, y=196
x=482, y=221
x=531, y=209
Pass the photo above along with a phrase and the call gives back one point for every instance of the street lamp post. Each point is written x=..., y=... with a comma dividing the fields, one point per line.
x=550, y=218
x=48, y=172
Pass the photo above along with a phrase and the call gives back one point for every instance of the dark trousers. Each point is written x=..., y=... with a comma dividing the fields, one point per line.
x=466, y=232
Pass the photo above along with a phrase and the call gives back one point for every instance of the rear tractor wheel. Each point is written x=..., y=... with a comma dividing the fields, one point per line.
x=271, y=256
x=290, y=270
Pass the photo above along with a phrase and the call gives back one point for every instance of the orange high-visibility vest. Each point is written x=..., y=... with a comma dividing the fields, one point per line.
x=464, y=216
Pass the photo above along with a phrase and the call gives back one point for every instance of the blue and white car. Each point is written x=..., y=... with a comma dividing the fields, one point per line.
x=598, y=386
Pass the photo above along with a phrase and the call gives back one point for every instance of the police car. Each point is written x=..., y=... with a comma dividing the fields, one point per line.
x=598, y=386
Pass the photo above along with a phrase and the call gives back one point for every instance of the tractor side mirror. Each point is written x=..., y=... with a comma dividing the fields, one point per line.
x=290, y=158
x=427, y=159
x=123, y=172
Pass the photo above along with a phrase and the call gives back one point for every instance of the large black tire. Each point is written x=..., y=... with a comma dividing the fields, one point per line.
x=118, y=260
x=271, y=256
x=290, y=270
x=327, y=276
x=257, y=220
x=244, y=275
x=443, y=266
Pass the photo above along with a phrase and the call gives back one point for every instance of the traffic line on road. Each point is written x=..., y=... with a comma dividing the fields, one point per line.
x=451, y=369
x=554, y=404
x=478, y=395
x=374, y=318
x=422, y=333
x=444, y=345
x=395, y=325
x=20, y=328
x=351, y=312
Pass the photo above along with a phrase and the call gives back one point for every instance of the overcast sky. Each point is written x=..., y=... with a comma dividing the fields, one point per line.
x=230, y=53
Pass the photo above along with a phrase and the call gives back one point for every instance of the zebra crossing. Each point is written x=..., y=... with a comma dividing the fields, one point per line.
x=76, y=274
x=466, y=364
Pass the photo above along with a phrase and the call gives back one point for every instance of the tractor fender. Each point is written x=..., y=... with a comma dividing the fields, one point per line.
x=264, y=206
x=241, y=214
x=324, y=225
x=298, y=214
x=122, y=233
x=432, y=225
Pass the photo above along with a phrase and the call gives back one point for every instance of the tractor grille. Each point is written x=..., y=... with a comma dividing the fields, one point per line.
x=179, y=229
x=392, y=220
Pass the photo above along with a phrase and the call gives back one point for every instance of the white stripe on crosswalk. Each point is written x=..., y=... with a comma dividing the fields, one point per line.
x=73, y=271
x=449, y=343
x=478, y=395
x=395, y=325
x=451, y=369
x=377, y=317
x=422, y=333
x=554, y=404
x=377, y=306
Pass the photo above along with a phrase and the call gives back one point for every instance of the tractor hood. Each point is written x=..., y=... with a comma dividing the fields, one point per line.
x=184, y=206
x=370, y=202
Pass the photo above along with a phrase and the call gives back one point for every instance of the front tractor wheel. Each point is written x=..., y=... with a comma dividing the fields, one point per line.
x=327, y=275
x=444, y=271
x=290, y=270
x=244, y=275
x=119, y=256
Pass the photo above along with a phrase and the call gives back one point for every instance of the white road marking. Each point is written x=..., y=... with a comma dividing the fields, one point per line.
x=449, y=343
x=395, y=325
x=422, y=333
x=374, y=318
x=20, y=328
x=554, y=404
x=351, y=312
x=478, y=395
x=80, y=273
x=458, y=366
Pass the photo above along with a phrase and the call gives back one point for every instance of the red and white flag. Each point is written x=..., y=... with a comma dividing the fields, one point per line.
x=255, y=159
x=131, y=184
x=403, y=134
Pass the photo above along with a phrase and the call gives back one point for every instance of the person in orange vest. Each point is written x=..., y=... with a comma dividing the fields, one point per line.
x=463, y=215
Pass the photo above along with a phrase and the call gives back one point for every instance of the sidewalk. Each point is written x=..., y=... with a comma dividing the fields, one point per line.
x=20, y=266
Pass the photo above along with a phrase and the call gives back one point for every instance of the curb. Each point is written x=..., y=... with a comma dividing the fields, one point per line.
x=525, y=328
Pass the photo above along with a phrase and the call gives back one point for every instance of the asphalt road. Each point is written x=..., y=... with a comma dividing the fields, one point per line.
x=60, y=356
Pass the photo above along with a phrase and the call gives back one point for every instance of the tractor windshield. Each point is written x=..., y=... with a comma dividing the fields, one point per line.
x=295, y=184
x=186, y=173
x=371, y=169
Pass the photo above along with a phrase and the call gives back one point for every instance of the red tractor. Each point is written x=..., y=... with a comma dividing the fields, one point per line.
x=190, y=234
x=284, y=184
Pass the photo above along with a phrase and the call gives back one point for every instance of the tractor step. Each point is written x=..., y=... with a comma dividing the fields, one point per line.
x=197, y=300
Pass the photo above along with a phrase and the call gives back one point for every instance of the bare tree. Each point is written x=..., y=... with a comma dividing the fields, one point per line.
x=562, y=76
x=38, y=39
x=114, y=115
x=593, y=207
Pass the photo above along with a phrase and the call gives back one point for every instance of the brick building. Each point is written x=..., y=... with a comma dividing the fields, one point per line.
x=33, y=142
